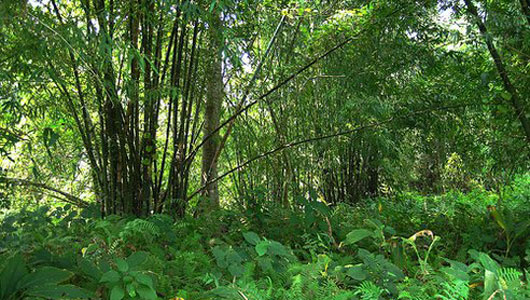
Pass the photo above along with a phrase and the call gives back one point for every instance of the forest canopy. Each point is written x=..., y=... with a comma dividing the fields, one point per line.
x=271, y=137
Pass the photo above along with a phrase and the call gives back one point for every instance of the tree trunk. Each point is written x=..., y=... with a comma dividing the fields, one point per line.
x=214, y=98
x=517, y=104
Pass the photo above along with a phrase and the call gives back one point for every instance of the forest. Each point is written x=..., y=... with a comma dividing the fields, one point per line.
x=265, y=149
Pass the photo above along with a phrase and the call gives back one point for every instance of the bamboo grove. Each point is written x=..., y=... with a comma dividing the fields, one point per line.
x=136, y=79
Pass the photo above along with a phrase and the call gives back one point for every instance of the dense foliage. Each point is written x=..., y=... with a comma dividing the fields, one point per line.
x=263, y=149
x=407, y=247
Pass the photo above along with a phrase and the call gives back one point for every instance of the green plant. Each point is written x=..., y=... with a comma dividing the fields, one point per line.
x=513, y=229
x=369, y=291
x=127, y=281
x=17, y=282
x=456, y=290
x=425, y=269
x=499, y=280
x=138, y=231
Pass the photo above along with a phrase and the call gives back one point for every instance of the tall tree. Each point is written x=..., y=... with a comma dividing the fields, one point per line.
x=214, y=98
x=513, y=94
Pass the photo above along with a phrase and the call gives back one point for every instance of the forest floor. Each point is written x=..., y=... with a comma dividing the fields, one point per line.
x=408, y=246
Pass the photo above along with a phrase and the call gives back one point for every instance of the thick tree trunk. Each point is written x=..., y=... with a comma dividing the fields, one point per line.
x=214, y=98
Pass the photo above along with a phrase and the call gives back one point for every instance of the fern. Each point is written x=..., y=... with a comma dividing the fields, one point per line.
x=457, y=290
x=137, y=228
x=369, y=291
x=509, y=278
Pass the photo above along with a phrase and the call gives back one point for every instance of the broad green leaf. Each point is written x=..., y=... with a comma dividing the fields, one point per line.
x=276, y=248
x=44, y=276
x=60, y=292
x=236, y=269
x=321, y=208
x=233, y=257
x=521, y=228
x=251, y=237
x=131, y=290
x=490, y=284
x=488, y=263
x=117, y=293
x=122, y=265
x=220, y=256
x=146, y=292
x=261, y=247
x=506, y=96
x=357, y=273
x=143, y=279
x=356, y=235
x=136, y=259
x=110, y=277
x=225, y=292
x=90, y=269
x=13, y=271
x=265, y=263
x=458, y=274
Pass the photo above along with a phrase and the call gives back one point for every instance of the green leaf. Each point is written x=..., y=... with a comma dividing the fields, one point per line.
x=251, y=237
x=488, y=263
x=117, y=293
x=220, y=256
x=521, y=228
x=90, y=269
x=44, y=276
x=233, y=257
x=13, y=271
x=224, y=292
x=261, y=247
x=143, y=279
x=265, y=263
x=506, y=96
x=122, y=265
x=60, y=292
x=236, y=269
x=110, y=277
x=357, y=273
x=458, y=274
x=321, y=208
x=490, y=284
x=356, y=235
x=131, y=290
x=276, y=248
x=146, y=292
x=136, y=259
x=212, y=5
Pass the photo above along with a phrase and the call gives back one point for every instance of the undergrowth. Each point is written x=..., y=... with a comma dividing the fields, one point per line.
x=453, y=246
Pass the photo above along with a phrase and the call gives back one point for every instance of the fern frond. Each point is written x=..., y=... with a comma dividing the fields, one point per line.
x=139, y=228
x=457, y=290
x=509, y=278
x=369, y=291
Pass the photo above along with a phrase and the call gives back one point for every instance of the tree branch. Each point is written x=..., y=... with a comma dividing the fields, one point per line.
x=281, y=84
x=324, y=137
x=71, y=198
